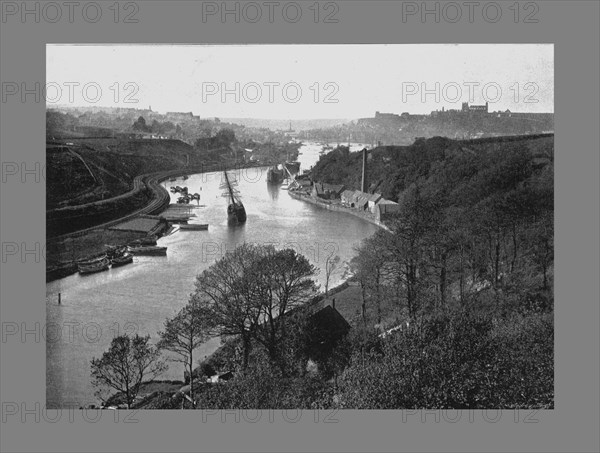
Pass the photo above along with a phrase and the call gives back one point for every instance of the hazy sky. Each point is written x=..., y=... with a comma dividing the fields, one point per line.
x=302, y=81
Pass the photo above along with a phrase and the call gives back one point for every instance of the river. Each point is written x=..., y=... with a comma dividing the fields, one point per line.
x=138, y=297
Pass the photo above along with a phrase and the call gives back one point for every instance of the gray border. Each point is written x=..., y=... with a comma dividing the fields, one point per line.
x=572, y=426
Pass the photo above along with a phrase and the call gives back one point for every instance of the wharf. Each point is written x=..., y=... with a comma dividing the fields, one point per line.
x=145, y=224
x=178, y=212
x=336, y=206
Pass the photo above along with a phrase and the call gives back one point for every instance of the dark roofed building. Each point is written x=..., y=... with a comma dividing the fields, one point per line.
x=303, y=184
x=348, y=197
x=326, y=326
x=326, y=318
x=327, y=191
x=385, y=208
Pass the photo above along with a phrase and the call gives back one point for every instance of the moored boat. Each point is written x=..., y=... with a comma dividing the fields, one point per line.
x=193, y=226
x=91, y=261
x=236, y=213
x=95, y=267
x=148, y=240
x=150, y=250
x=274, y=175
x=126, y=258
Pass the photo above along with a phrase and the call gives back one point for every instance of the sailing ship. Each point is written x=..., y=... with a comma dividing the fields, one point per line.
x=236, y=213
x=274, y=175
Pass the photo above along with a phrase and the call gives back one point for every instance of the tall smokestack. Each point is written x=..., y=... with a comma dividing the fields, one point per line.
x=363, y=186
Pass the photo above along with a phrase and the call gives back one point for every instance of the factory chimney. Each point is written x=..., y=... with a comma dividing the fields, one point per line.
x=363, y=186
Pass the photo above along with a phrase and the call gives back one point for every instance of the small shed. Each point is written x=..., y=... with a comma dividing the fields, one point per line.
x=373, y=199
x=385, y=209
x=348, y=198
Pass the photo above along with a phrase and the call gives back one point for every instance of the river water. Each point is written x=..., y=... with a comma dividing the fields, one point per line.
x=138, y=297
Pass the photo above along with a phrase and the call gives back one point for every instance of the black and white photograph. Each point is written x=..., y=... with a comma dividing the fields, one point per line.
x=297, y=226
x=300, y=226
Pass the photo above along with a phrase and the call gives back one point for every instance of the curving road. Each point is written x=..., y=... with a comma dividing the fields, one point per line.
x=160, y=197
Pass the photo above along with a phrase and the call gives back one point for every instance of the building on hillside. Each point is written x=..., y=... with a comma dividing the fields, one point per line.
x=385, y=209
x=348, y=198
x=362, y=201
x=326, y=327
x=181, y=116
x=318, y=191
x=373, y=199
x=466, y=108
x=327, y=191
x=303, y=184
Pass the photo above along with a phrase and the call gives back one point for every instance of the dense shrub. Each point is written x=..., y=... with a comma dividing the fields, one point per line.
x=265, y=388
x=457, y=361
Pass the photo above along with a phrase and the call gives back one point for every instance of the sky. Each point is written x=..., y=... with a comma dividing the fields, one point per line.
x=302, y=81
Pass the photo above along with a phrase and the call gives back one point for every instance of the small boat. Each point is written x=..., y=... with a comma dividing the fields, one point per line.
x=115, y=251
x=95, y=267
x=148, y=240
x=193, y=226
x=151, y=250
x=126, y=258
x=90, y=261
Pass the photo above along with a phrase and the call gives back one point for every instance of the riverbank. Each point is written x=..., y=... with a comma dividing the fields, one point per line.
x=332, y=206
x=64, y=251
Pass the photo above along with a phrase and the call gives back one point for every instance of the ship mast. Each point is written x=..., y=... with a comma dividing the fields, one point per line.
x=230, y=191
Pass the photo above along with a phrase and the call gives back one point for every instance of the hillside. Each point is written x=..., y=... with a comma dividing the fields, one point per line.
x=391, y=169
x=106, y=167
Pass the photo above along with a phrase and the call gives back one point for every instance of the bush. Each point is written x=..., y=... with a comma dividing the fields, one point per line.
x=457, y=361
x=264, y=388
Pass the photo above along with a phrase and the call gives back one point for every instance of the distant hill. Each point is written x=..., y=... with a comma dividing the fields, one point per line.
x=297, y=125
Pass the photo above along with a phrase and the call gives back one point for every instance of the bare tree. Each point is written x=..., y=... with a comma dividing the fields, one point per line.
x=247, y=292
x=331, y=264
x=128, y=362
x=183, y=334
x=373, y=264
x=226, y=293
x=284, y=282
